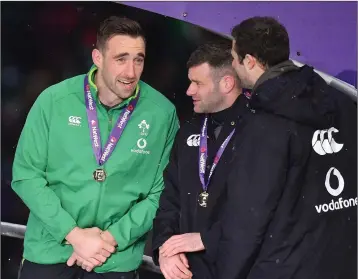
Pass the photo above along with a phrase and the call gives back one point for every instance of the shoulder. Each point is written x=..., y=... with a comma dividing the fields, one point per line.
x=63, y=89
x=153, y=98
x=190, y=130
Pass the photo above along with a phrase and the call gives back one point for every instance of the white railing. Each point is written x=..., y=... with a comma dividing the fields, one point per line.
x=18, y=231
x=340, y=85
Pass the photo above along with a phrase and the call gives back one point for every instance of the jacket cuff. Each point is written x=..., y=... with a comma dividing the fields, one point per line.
x=210, y=239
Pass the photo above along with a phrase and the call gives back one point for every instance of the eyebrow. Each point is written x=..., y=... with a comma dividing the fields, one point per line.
x=123, y=54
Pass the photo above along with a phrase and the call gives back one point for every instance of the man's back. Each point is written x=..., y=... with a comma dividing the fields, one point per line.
x=293, y=186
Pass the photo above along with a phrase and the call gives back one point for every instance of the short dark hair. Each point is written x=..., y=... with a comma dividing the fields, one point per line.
x=216, y=54
x=264, y=38
x=115, y=25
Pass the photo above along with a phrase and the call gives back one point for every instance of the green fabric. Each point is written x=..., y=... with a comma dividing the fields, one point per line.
x=54, y=164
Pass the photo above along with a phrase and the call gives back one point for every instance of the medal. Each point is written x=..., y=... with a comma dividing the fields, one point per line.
x=203, y=155
x=99, y=175
x=102, y=156
x=203, y=199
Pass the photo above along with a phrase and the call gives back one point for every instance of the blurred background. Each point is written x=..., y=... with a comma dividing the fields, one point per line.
x=43, y=43
x=46, y=42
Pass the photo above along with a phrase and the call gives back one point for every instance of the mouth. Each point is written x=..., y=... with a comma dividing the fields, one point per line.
x=126, y=83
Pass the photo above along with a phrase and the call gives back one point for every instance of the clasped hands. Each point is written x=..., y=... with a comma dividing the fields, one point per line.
x=172, y=260
x=92, y=247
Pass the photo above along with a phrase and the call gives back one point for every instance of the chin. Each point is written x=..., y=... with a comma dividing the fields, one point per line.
x=198, y=110
x=125, y=94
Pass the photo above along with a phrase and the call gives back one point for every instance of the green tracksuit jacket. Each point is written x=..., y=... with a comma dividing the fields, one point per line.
x=54, y=164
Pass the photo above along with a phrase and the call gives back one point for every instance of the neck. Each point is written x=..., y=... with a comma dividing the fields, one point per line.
x=229, y=101
x=256, y=76
x=105, y=95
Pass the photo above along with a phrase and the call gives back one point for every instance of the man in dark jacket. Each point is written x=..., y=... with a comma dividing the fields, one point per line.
x=187, y=218
x=291, y=211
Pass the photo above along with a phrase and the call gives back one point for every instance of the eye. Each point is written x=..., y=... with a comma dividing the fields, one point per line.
x=139, y=61
x=121, y=60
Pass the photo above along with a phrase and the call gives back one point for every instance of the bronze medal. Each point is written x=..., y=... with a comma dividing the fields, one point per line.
x=99, y=175
x=203, y=199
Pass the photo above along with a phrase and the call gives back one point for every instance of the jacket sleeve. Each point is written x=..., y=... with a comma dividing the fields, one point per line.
x=29, y=171
x=210, y=238
x=139, y=219
x=254, y=190
x=166, y=222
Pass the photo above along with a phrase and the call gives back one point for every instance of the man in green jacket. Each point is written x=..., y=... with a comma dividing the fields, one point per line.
x=89, y=164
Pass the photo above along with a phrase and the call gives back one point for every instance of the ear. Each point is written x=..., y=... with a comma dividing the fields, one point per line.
x=227, y=83
x=250, y=62
x=97, y=57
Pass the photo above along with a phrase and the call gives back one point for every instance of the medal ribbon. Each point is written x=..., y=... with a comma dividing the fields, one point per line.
x=93, y=123
x=203, y=154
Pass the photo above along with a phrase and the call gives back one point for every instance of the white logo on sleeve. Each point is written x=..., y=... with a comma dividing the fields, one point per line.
x=339, y=190
x=193, y=140
x=323, y=142
x=74, y=121
x=340, y=203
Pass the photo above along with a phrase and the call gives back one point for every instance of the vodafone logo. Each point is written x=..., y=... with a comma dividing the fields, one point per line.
x=339, y=190
x=323, y=142
x=339, y=203
x=141, y=143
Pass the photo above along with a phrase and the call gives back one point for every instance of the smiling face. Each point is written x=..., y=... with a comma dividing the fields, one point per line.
x=121, y=64
x=205, y=93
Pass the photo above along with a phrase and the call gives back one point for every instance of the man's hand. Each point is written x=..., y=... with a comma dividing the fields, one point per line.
x=87, y=265
x=175, y=267
x=108, y=237
x=188, y=242
x=88, y=243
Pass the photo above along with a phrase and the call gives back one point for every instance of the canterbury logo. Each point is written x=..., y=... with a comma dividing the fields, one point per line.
x=193, y=140
x=74, y=120
x=323, y=144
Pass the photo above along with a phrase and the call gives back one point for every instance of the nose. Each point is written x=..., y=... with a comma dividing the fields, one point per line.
x=130, y=70
x=191, y=90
